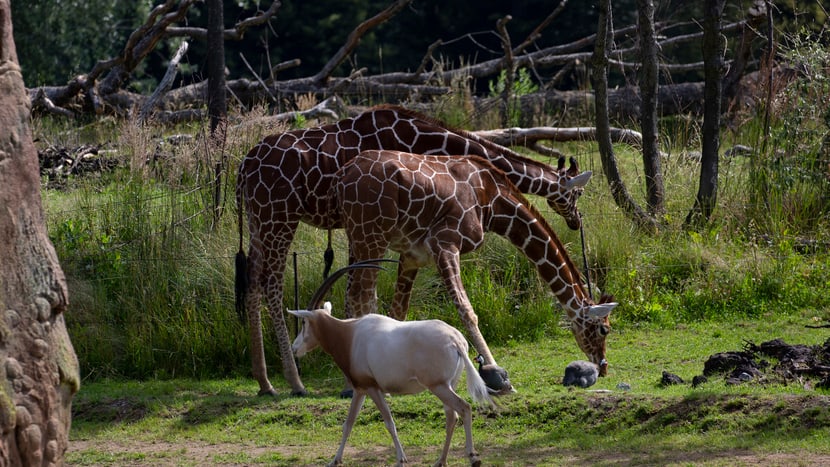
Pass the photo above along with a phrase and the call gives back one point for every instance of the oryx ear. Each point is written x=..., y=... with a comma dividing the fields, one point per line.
x=602, y=310
x=327, y=307
x=301, y=313
x=580, y=180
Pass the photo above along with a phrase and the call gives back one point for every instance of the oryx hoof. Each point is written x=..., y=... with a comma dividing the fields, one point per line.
x=267, y=392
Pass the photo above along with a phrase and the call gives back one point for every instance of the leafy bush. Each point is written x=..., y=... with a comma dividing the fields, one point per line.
x=522, y=85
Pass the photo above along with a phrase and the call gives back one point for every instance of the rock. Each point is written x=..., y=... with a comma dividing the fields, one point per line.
x=698, y=380
x=495, y=377
x=669, y=379
x=580, y=373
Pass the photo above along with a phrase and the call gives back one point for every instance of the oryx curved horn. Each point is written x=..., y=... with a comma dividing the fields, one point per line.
x=314, y=303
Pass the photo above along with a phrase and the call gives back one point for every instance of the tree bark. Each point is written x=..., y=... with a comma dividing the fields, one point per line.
x=599, y=81
x=38, y=368
x=713, y=47
x=217, y=104
x=648, y=110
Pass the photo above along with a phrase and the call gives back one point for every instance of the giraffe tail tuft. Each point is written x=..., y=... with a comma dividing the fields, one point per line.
x=328, y=258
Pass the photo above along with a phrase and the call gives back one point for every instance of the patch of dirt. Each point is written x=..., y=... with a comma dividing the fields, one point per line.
x=192, y=453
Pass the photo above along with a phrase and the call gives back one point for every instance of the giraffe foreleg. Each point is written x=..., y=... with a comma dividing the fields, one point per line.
x=447, y=260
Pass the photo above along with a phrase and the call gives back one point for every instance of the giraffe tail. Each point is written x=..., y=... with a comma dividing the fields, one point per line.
x=328, y=258
x=241, y=279
x=241, y=285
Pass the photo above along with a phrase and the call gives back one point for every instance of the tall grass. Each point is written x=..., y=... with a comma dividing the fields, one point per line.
x=790, y=172
x=150, y=268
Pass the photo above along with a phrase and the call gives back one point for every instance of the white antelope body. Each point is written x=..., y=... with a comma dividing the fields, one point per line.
x=382, y=355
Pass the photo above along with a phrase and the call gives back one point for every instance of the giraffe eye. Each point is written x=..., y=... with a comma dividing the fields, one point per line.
x=604, y=330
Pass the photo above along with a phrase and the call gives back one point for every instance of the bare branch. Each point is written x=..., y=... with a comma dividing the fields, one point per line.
x=537, y=32
x=44, y=103
x=428, y=56
x=322, y=78
x=235, y=33
x=285, y=65
x=251, y=69
x=166, y=82
x=529, y=136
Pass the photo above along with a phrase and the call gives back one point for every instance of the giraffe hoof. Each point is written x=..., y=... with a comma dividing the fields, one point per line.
x=347, y=393
x=299, y=393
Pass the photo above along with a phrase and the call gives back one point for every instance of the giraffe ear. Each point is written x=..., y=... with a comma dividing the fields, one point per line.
x=602, y=310
x=579, y=181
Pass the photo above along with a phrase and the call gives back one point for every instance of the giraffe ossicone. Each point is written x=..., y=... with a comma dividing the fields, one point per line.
x=285, y=179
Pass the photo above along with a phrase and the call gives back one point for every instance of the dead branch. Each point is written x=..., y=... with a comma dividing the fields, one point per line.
x=537, y=31
x=159, y=25
x=232, y=34
x=323, y=76
x=41, y=102
x=166, y=82
x=529, y=136
x=332, y=108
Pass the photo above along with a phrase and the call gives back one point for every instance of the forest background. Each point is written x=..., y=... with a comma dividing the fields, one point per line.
x=54, y=45
x=764, y=252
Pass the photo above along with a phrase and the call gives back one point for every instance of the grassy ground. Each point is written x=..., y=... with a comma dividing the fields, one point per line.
x=223, y=422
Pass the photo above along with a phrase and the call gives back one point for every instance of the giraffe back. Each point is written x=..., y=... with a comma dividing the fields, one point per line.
x=291, y=173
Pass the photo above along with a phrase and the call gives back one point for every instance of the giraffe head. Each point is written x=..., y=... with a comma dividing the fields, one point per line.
x=590, y=328
x=571, y=188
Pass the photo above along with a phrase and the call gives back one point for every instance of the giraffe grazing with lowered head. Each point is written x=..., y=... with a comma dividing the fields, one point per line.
x=285, y=179
x=436, y=208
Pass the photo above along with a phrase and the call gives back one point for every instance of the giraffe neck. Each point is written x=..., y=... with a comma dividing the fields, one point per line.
x=516, y=220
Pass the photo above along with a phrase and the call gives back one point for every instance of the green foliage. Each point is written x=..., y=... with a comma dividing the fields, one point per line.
x=57, y=40
x=147, y=265
x=523, y=85
x=789, y=182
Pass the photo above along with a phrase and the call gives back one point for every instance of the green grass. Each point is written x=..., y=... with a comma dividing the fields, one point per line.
x=190, y=422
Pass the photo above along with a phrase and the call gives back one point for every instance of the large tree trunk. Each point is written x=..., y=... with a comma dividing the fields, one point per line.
x=713, y=46
x=38, y=366
x=217, y=102
x=599, y=81
x=648, y=110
